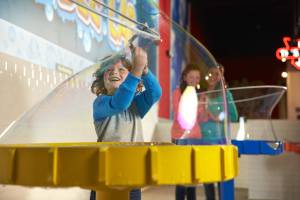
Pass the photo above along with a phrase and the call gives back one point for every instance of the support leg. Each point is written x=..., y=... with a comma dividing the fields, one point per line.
x=112, y=194
x=226, y=190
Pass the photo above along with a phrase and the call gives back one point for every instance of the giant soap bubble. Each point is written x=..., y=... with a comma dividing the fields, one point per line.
x=65, y=113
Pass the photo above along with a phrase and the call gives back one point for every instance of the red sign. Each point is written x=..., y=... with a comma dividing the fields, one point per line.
x=289, y=53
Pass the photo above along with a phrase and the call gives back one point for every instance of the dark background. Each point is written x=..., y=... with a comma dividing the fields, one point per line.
x=243, y=35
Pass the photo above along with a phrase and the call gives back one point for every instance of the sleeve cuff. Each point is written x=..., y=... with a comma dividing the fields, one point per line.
x=131, y=81
x=148, y=76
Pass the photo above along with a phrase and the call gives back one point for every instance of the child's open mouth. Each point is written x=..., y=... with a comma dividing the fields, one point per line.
x=114, y=79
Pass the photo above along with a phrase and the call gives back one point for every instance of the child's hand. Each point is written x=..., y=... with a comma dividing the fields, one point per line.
x=213, y=117
x=139, y=61
x=203, y=99
x=146, y=69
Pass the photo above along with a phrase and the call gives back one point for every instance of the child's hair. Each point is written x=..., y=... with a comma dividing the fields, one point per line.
x=187, y=69
x=98, y=87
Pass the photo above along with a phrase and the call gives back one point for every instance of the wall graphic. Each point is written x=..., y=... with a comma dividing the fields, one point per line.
x=90, y=25
x=22, y=44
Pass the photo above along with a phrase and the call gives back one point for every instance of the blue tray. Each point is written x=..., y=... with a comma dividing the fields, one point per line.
x=259, y=147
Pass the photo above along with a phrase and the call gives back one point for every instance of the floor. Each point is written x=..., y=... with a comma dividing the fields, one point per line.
x=168, y=193
x=148, y=193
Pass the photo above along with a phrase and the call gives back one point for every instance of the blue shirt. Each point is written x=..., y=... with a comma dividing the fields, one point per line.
x=117, y=117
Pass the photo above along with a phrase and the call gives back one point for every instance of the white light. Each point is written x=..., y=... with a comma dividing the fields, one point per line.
x=32, y=73
x=295, y=53
x=28, y=82
x=298, y=62
x=241, y=132
x=284, y=55
x=221, y=116
x=284, y=74
x=187, y=110
x=24, y=71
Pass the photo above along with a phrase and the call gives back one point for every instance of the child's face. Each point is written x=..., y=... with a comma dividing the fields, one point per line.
x=192, y=78
x=213, y=77
x=114, y=77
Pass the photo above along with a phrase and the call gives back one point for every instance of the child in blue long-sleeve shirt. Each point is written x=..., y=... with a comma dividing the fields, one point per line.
x=121, y=101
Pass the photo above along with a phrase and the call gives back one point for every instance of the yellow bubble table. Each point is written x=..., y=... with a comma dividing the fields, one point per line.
x=113, y=169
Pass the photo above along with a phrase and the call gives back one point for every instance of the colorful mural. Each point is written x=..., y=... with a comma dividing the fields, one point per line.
x=25, y=45
x=92, y=26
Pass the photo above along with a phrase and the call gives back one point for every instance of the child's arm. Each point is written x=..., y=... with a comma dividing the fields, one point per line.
x=202, y=112
x=106, y=106
x=233, y=113
x=152, y=93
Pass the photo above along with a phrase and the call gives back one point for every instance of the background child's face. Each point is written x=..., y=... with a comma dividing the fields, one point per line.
x=213, y=77
x=192, y=78
x=114, y=77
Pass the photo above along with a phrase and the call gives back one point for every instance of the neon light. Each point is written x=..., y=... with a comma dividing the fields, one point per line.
x=289, y=53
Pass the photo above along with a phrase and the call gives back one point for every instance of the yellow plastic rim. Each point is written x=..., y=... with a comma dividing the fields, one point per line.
x=103, y=165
